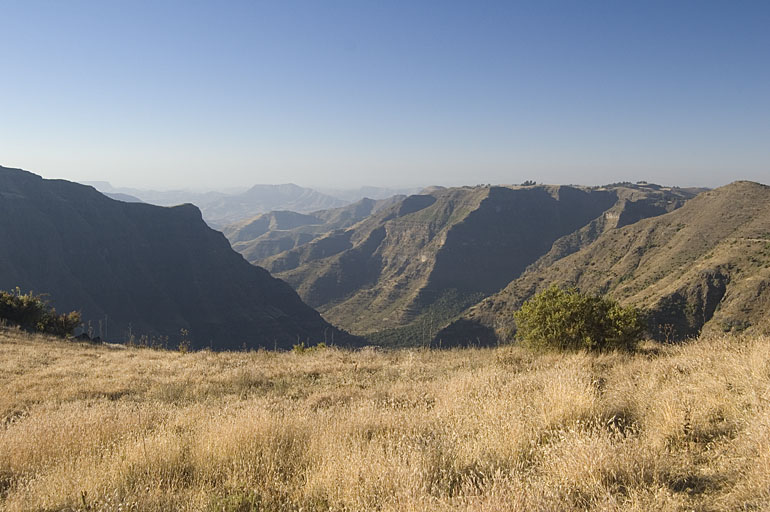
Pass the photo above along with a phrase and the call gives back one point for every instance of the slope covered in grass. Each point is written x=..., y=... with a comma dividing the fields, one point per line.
x=669, y=428
x=704, y=266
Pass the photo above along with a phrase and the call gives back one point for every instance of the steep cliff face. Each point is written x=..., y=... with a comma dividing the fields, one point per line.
x=137, y=269
x=418, y=263
x=704, y=266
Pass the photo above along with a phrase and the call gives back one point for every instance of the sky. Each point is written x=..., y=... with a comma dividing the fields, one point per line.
x=326, y=93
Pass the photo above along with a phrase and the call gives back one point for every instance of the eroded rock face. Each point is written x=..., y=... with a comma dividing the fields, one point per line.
x=138, y=269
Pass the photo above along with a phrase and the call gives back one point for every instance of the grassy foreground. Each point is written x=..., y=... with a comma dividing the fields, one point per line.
x=99, y=428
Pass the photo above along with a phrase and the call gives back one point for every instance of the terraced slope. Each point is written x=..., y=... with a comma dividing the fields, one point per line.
x=403, y=271
x=705, y=266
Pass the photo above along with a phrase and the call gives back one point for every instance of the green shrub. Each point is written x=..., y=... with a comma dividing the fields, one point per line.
x=570, y=320
x=301, y=348
x=32, y=313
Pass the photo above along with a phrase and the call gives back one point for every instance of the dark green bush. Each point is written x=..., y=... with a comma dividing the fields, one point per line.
x=32, y=313
x=570, y=320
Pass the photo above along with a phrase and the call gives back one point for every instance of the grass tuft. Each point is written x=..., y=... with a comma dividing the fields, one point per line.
x=667, y=428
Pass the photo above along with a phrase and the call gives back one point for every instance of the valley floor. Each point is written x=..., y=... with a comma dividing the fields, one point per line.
x=103, y=428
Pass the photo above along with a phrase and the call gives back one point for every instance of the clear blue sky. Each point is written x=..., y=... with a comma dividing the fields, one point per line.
x=332, y=93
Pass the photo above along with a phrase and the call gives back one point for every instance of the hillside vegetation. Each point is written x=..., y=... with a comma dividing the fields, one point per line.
x=704, y=266
x=33, y=314
x=670, y=428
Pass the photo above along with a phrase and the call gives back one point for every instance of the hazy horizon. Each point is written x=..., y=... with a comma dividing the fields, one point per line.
x=234, y=189
x=333, y=190
x=342, y=94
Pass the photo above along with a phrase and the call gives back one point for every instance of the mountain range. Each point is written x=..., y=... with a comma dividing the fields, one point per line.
x=446, y=266
x=220, y=208
x=703, y=267
x=271, y=233
x=137, y=269
x=355, y=194
x=400, y=274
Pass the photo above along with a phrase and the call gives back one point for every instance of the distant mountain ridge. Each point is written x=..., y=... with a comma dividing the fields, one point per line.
x=143, y=269
x=266, y=198
x=705, y=266
x=220, y=209
x=376, y=193
x=408, y=268
x=123, y=197
x=271, y=233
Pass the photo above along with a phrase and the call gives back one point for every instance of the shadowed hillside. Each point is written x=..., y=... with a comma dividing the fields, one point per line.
x=421, y=261
x=141, y=269
x=703, y=266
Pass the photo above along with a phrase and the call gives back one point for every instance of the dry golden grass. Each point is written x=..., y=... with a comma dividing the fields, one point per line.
x=99, y=428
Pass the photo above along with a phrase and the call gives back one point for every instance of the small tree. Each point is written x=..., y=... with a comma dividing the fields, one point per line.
x=32, y=313
x=570, y=320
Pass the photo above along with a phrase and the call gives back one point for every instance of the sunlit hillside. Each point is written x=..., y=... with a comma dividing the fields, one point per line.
x=87, y=427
